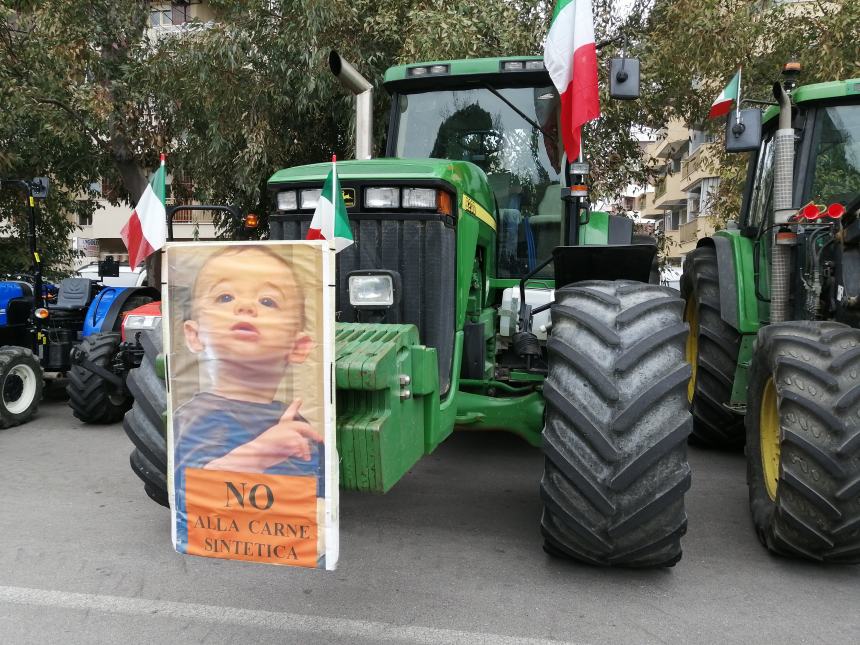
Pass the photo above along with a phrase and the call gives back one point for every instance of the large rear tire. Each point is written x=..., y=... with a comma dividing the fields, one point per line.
x=92, y=399
x=617, y=423
x=803, y=440
x=21, y=383
x=145, y=422
x=712, y=349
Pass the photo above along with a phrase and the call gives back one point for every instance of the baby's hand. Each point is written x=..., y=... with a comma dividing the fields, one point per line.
x=287, y=438
x=290, y=437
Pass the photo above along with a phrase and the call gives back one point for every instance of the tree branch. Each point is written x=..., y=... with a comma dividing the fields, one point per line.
x=77, y=117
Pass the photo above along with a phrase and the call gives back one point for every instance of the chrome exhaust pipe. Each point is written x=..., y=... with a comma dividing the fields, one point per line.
x=783, y=180
x=363, y=90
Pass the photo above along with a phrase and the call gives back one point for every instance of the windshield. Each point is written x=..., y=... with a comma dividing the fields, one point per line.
x=836, y=172
x=522, y=161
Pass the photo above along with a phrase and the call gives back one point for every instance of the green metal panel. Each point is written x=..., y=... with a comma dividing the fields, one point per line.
x=387, y=400
x=739, y=387
x=596, y=231
x=749, y=307
x=819, y=92
x=748, y=320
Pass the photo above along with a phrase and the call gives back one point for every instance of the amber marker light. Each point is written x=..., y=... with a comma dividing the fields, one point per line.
x=444, y=203
x=251, y=220
x=41, y=313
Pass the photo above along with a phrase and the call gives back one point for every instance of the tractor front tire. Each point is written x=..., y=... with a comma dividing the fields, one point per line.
x=617, y=422
x=145, y=422
x=803, y=440
x=21, y=383
x=92, y=399
x=712, y=350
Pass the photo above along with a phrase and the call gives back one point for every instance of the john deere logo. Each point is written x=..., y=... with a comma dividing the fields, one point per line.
x=348, y=196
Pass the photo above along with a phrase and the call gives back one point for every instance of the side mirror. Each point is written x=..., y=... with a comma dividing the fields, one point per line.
x=743, y=130
x=624, y=78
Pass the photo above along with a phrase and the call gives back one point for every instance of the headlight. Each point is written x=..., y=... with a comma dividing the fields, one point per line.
x=287, y=200
x=310, y=198
x=382, y=198
x=419, y=198
x=138, y=323
x=375, y=290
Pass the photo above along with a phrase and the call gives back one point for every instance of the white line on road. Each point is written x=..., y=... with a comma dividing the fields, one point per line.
x=287, y=622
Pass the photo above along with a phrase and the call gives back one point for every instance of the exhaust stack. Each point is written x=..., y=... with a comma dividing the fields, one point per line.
x=363, y=90
x=783, y=180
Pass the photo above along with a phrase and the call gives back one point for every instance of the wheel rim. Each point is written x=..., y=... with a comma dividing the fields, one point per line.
x=769, y=434
x=691, y=315
x=19, y=389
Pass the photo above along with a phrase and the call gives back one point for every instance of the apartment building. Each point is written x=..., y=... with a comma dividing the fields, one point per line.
x=686, y=184
x=98, y=235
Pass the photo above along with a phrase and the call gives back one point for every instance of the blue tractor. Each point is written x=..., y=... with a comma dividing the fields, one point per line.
x=38, y=336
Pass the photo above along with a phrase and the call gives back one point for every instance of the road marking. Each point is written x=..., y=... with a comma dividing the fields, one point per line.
x=278, y=621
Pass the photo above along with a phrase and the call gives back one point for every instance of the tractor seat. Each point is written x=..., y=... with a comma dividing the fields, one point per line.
x=74, y=295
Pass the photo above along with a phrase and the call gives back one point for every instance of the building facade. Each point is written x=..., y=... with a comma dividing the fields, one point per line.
x=686, y=184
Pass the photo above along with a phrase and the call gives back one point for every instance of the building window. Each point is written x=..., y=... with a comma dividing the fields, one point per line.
x=168, y=14
x=85, y=219
x=672, y=220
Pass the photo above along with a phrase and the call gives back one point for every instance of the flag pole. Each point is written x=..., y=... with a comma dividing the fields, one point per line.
x=738, y=99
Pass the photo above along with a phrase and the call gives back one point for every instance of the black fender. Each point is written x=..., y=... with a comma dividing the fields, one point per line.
x=112, y=319
x=603, y=262
x=728, y=278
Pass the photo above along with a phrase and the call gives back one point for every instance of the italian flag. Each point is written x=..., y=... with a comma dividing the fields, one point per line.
x=330, y=221
x=146, y=230
x=570, y=58
x=723, y=103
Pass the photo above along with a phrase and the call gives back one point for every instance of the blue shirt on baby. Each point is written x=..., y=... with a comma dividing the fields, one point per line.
x=209, y=426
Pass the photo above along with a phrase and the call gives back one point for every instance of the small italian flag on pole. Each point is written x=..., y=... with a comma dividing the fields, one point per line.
x=330, y=221
x=570, y=57
x=723, y=103
x=146, y=229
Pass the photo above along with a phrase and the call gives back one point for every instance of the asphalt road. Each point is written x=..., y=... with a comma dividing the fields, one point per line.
x=452, y=554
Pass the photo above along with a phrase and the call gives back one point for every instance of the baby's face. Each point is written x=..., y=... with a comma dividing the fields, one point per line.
x=247, y=307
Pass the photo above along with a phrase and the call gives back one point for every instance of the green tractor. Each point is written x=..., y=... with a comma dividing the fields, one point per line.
x=451, y=315
x=773, y=305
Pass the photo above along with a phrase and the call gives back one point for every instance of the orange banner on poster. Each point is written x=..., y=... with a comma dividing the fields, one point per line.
x=251, y=516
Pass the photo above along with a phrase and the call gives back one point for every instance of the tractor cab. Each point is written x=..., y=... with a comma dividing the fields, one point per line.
x=501, y=115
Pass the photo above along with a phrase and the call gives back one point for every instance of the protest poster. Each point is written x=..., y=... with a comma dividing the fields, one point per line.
x=249, y=334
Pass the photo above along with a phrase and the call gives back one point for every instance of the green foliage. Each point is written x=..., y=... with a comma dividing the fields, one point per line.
x=88, y=94
x=234, y=100
x=691, y=48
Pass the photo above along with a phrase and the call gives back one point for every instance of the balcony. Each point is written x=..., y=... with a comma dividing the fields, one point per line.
x=668, y=193
x=670, y=140
x=689, y=232
x=696, y=168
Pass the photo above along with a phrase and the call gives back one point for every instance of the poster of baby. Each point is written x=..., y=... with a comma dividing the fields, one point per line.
x=249, y=328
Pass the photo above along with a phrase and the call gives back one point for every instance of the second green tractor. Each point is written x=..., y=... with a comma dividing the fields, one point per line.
x=773, y=304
